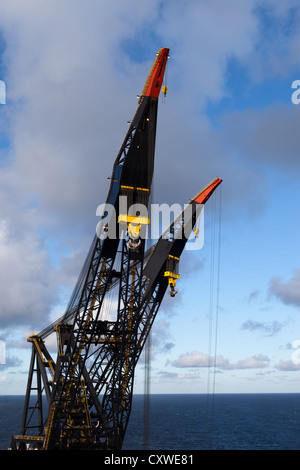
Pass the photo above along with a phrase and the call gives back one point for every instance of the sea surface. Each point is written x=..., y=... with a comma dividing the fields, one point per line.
x=196, y=422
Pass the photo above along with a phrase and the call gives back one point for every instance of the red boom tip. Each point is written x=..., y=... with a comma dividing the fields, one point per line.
x=206, y=192
x=155, y=78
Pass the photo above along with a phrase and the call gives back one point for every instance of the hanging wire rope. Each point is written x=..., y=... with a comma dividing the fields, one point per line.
x=217, y=288
x=147, y=394
x=147, y=353
x=214, y=294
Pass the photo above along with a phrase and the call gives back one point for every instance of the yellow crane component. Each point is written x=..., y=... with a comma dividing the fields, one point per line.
x=171, y=274
x=39, y=345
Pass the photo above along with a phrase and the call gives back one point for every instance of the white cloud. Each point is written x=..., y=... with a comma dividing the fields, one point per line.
x=287, y=366
x=269, y=328
x=288, y=292
x=254, y=362
x=199, y=359
x=27, y=286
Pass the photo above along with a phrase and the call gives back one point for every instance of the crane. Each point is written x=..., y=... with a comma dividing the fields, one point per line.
x=83, y=398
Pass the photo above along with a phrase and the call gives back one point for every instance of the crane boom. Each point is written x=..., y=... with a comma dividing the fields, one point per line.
x=88, y=388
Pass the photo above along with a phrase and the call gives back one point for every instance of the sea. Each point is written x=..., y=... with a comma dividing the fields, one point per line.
x=195, y=422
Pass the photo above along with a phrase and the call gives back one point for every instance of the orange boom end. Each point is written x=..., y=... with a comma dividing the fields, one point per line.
x=155, y=78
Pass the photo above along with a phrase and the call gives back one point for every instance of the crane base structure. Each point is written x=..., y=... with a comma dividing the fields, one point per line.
x=82, y=398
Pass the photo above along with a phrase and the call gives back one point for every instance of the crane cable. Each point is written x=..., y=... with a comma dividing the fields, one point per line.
x=147, y=351
x=147, y=393
x=213, y=314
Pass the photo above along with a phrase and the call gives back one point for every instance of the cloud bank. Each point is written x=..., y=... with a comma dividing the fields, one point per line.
x=72, y=71
x=199, y=359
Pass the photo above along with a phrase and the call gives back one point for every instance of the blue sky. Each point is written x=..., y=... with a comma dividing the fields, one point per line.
x=72, y=71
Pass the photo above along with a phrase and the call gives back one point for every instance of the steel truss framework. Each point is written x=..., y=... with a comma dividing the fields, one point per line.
x=82, y=400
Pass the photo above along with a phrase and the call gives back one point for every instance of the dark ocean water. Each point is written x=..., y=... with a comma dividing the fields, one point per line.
x=195, y=422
